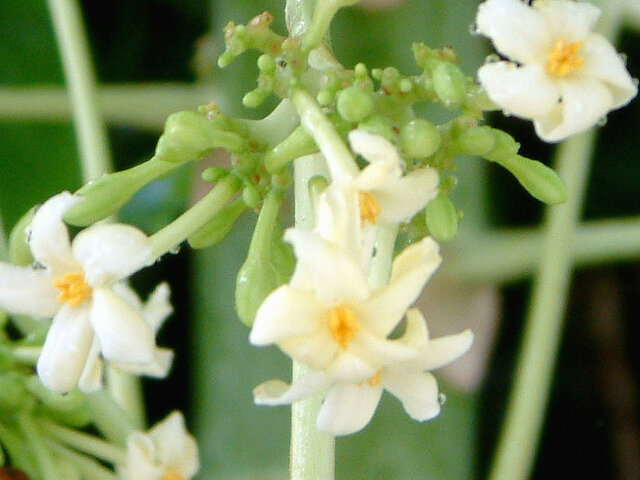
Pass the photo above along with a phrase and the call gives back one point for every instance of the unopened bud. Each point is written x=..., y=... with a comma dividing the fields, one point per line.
x=476, y=140
x=449, y=83
x=354, y=104
x=419, y=138
x=442, y=218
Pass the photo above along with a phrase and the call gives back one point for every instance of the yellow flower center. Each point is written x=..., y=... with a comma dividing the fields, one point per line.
x=74, y=289
x=564, y=58
x=172, y=475
x=343, y=325
x=374, y=381
x=369, y=208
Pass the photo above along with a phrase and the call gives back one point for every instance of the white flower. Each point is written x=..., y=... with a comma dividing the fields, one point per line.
x=562, y=75
x=329, y=319
x=348, y=407
x=166, y=452
x=72, y=283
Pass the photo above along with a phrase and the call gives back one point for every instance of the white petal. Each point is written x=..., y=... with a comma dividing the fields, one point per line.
x=316, y=350
x=140, y=459
x=175, y=447
x=516, y=30
x=158, y=308
x=411, y=269
x=91, y=378
x=571, y=21
x=526, y=91
x=287, y=312
x=123, y=334
x=351, y=366
x=66, y=348
x=277, y=392
x=584, y=102
x=374, y=148
x=159, y=368
x=380, y=351
x=111, y=252
x=49, y=238
x=333, y=276
x=418, y=392
x=403, y=199
x=26, y=291
x=602, y=61
x=416, y=333
x=444, y=350
x=348, y=408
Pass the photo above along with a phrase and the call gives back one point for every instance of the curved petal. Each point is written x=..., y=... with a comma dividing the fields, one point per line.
x=377, y=175
x=374, y=148
x=416, y=334
x=348, y=408
x=401, y=200
x=174, y=447
x=26, y=291
x=444, y=350
x=329, y=272
x=411, y=270
x=584, y=102
x=49, y=238
x=602, y=61
x=572, y=21
x=287, y=312
x=380, y=351
x=277, y=392
x=91, y=378
x=316, y=350
x=525, y=91
x=516, y=30
x=158, y=307
x=65, y=349
x=111, y=252
x=417, y=391
x=123, y=334
x=141, y=458
x=351, y=366
x=159, y=368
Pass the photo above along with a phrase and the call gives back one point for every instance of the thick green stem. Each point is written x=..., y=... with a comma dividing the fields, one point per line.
x=110, y=418
x=534, y=371
x=182, y=227
x=312, y=451
x=44, y=459
x=90, y=469
x=91, y=132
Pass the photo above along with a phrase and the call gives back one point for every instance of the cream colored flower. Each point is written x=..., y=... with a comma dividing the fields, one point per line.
x=72, y=283
x=166, y=452
x=560, y=73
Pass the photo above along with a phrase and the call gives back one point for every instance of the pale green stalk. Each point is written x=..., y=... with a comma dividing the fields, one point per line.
x=312, y=451
x=109, y=417
x=534, y=370
x=383, y=260
x=90, y=469
x=45, y=462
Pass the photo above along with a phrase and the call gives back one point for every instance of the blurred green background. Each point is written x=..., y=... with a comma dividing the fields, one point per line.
x=595, y=399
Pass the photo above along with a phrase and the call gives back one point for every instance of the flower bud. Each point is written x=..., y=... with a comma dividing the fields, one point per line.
x=419, y=138
x=377, y=125
x=539, y=180
x=442, y=218
x=504, y=147
x=353, y=104
x=476, y=140
x=218, y=227
x=449, y=83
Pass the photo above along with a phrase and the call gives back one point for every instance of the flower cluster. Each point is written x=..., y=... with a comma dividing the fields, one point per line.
x=330, y=319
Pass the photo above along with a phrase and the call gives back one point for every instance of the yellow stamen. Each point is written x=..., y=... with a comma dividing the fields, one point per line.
x=172, y=475
x=375, y=380
x=564, y=58
x=369, y=208
x=343, y=325
x=74, y=289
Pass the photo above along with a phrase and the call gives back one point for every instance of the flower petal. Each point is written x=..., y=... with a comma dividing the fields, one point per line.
x=65, y=349
x=49, y=238
x=584, y=102
x=91, y=378
x=26, y=291
x=444, y=350
x=140, y=458
x=401, y=200
x=277, y=392
x=525, y=91
x=159, y=368
x=287, y=312
x=411, y=269
x=417, y=391
x=351, y=366
x=374, y=148
x=123, y=334
x=348, y=408
x=316, y=350
x=516, y=30
x=111, y=252
x=571, y=21
x=602, y=61
x=174, y=447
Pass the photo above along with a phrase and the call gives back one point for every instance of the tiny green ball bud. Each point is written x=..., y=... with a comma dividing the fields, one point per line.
x=266, y=63
x=476, y=140
x=254, y=98
x=360, y=70
x=213, y=174
x=442, y=218
x=324, y=97
x=405, y=85
x=379, y=126
x=419, y=138
x=353, y=104
x=251, y=196
x=449, y=83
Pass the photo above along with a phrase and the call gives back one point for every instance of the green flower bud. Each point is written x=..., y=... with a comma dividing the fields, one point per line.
x=354, y=104
x=378, y=125
x=449, y=83
x=476, y=140
x=255, y=98
x=539, y=180
x=419, y=138
x=266, y=63
x=442, y=218
x=297, y=144
x=251, y=195
x=504, y=147
x=19, y=250
x=324, y=97
x=218, y=227
x=213, y=174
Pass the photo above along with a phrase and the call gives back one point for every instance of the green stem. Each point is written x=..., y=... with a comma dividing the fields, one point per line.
x=91, y=132
x=383, y=260
x=322, y=16
x=85, y=443
x=109, y=417
x=534, y=371
x=91, y=470
x=44, y=459
x=312, y=451
x=341, y=163
x=177, y=231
